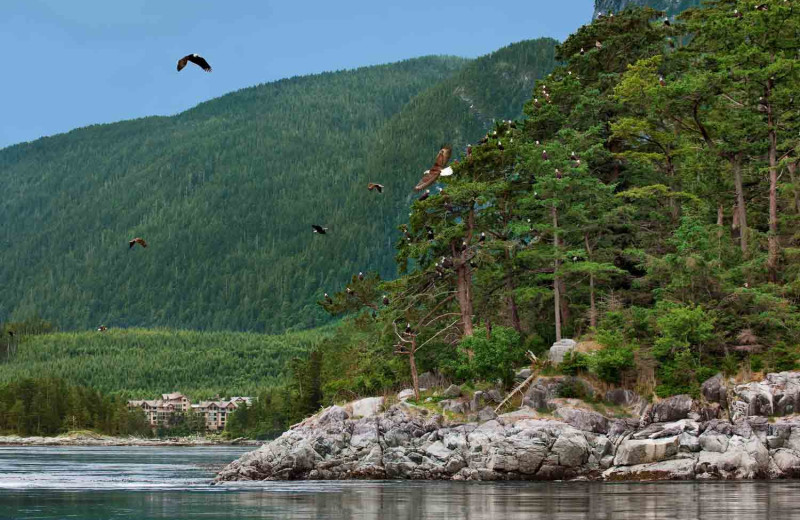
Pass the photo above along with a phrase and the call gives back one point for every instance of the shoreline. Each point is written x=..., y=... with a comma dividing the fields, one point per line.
x=103, y=440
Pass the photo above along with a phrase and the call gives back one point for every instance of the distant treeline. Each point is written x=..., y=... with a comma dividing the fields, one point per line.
x=50, y=406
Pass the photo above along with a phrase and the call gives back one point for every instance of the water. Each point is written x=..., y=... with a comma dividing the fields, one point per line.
x=173, y=483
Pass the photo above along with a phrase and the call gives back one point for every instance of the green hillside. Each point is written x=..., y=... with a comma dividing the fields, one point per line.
x=142, y=363
x=225, y=194
x=671, y=7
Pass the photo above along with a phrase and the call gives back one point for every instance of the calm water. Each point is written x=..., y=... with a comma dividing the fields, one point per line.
x=173, y=483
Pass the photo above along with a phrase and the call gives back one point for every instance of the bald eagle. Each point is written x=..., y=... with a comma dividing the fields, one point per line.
x=135, y=241
x=431, y=175
x=196, y=59
x=319, y=229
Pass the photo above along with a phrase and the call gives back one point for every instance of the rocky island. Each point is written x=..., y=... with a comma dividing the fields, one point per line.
x=733, y=431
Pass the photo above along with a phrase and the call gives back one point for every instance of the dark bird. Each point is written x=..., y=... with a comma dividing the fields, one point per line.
x=573, y=156
x=431, y=175
x=662, y=81
x=513, y=124
x=424, y=195
x=349, y=291
x=375, y=186
x=484, y=139
x=319, y=229
x=408, y=328
x=500, y=146
x=328, y=299
x=11, y=333
x=446, y=262
x=469, y=151
x=666, y=22
x=102, y=328
x=762, y=7
x=196, y=59
x=360, y=276
x=737, y=14
x=463, y=245
x=430, y=233
x=558, y=173
x=483, y=237
x=582, y=51
x=544, y=155
x=536, y=103
x=135, y=241
x=385, y=300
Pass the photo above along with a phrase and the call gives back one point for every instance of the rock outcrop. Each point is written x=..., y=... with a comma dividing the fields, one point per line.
x=672, y=440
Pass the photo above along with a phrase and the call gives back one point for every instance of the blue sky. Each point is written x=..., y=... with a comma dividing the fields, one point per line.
x=71, y=63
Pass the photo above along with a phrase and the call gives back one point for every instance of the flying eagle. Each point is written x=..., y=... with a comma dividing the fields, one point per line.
x=319, y=229
x=375, y=186
x=137, y=240
x=102, y=328
x=196, y=59
x=431, y=175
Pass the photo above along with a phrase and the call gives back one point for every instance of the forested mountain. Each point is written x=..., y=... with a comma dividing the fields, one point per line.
x=670, y=7
x=225, y=195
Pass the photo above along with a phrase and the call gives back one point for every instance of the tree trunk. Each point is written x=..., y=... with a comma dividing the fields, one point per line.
x=413, y=364
x=741, y=208
x=556, y=281
x=510, y=301
x=774, y=245
x=592, y=307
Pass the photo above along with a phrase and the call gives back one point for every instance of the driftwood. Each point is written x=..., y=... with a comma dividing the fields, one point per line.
x=523, y=385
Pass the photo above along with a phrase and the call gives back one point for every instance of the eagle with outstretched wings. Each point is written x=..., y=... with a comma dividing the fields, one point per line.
x=137, y=240
x=436, y=170
x=196, y=59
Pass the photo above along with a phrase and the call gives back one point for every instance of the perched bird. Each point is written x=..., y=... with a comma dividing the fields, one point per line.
x=484, y=139
x=469, y=151
x=762, y=7
x=430, y=232
x=483, y=237
x=375, y=186
x=544, y=155
x=431, y=175
x=598, y=44
x=582, y=51
x=512, y=124
x=538, y=143
x=500, y=146
x=661, y=81
x=666, y=22
x=737, y=14
x=102, y=328
x=424, y=195
x=463, y=245
x=536, y=103
x=408, y=328
x=137, y=240
x=573, y=156
x=446, y=262
x=385, y=300
x=196, y=59
x=558, y=173
x=11, y=333
x=319, y=229
x=349, y=290
x=328, y=298
x=360, y=276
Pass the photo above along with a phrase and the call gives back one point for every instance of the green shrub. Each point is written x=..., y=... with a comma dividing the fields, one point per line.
x=574, y=363
x=493, y=358
x=611, y=362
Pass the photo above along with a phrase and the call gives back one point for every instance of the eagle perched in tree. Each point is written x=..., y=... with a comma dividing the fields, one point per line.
x=437, y=169
x=196, y=59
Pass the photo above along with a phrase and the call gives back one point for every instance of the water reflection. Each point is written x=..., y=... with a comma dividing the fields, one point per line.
x=155, y=483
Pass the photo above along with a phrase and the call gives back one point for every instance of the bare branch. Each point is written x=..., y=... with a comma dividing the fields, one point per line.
x=434, y=336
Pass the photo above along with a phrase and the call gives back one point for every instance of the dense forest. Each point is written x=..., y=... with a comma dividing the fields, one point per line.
x=225, y=195
x=647, y=206
x=144, y=363
x=51, y=406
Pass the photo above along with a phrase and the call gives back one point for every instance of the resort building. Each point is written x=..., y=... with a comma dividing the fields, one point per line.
x=159, y=412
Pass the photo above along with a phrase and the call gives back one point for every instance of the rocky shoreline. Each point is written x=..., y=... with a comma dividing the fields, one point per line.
x=746, y=431
x=103, y=440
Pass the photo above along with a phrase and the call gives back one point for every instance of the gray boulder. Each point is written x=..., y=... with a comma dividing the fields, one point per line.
x=452, y=391
x=560, y=349
x=715, y=390
x=672, y=409
x=583, y=420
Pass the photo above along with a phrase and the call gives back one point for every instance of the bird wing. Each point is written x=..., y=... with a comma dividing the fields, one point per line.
x=427, y=179
x=199, y=61
x=182, y=63
x=141, y=242
x=443, y=157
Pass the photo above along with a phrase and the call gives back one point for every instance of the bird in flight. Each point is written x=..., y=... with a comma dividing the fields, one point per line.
x=196, y=59
x=319, y=229
x=431, y=175
x=102, y=328
x=137, y=240
x=375, y=186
